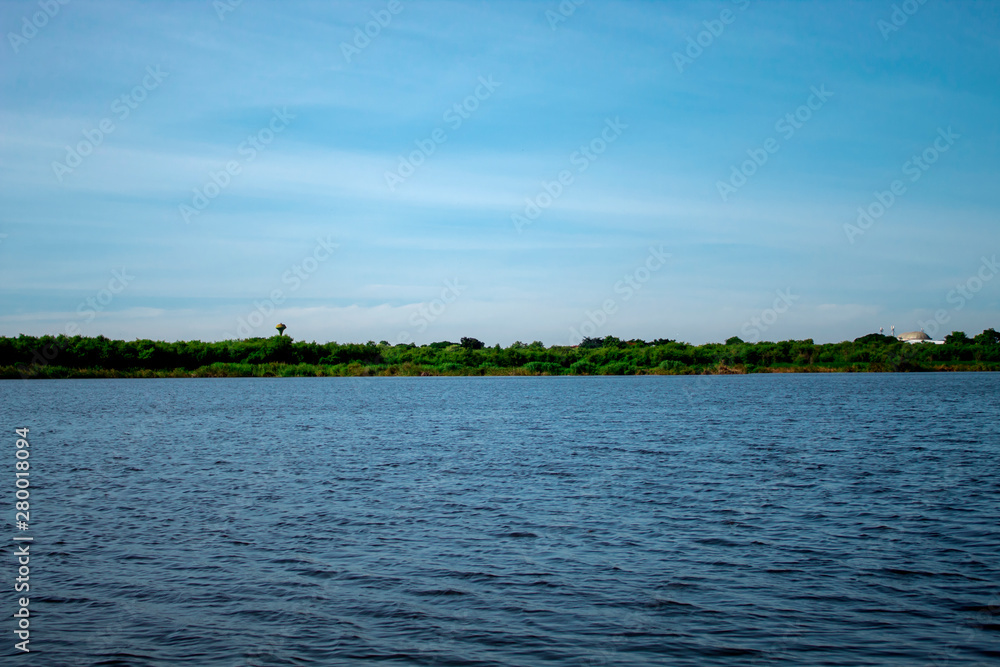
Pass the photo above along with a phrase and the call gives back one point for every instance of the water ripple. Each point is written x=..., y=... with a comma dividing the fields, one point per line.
x=799, y=520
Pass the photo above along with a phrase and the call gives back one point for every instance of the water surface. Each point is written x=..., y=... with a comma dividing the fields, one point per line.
x=767, y=519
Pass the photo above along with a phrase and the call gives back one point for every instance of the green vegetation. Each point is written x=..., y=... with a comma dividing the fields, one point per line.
x=280, y=356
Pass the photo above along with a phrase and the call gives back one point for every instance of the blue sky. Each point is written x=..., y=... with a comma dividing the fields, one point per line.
x=248, y=184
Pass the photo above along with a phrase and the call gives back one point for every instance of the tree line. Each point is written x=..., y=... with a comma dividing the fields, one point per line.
x=78, y=356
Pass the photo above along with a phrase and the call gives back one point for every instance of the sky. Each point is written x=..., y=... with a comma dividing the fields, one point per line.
x=423, y=171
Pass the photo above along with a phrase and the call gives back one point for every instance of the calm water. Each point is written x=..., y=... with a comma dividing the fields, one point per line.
x=752, y=520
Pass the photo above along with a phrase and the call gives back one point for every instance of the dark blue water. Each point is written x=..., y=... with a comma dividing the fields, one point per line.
x=750, y=520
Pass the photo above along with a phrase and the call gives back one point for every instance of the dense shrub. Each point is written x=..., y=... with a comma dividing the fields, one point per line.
x=61, y=356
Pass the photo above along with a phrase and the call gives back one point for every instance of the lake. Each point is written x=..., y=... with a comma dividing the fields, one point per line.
x=847, y=519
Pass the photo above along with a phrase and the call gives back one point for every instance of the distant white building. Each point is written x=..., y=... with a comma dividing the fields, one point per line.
x=917, y=337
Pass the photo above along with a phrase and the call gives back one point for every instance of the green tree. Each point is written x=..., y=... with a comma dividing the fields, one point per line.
x=956, y=338
x=988, y=337
x=472, y=344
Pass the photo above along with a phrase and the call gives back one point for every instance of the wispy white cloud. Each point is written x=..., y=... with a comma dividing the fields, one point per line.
x=326, y=173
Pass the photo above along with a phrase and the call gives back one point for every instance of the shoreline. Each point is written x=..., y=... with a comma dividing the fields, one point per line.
x=289, y=371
